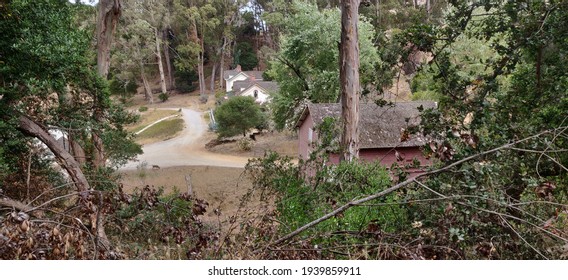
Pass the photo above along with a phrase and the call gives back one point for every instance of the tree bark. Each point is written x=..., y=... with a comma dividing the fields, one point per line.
x=195, y=38
x=20, y=206
x=160, y=65
x=107, y=19
x=222, y=66
x=109, y=13
x=213, y=78
x=222, y=63
x=76, y=149
x=67, y=161
x=147, y=90
x=349, y=79
x=171, y=80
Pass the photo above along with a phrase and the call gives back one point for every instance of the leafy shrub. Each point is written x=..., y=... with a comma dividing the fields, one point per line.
x=237, y=115
x=143, y=109
x=245, y=144
x=163, y=97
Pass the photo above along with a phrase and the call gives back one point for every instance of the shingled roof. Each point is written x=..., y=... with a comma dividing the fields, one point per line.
x=379, y=126
x=267, y=85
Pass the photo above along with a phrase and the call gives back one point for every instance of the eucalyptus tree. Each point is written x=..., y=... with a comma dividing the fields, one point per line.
x=198, y=18
x=307, y=64
x=49, y=83
x=134, y=50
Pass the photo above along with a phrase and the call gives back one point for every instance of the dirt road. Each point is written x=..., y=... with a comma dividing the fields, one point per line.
x=187, y=149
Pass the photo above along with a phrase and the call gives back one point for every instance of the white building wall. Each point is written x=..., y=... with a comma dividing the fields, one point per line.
x=261, y=97
x=231, y=80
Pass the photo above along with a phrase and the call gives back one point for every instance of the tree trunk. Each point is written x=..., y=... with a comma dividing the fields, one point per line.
x=160, y=65
x=222, y=64
x=200, y=74
x=213, y=78
x=68, y=162
x=107, y=18
x=147, y=90
x=76, y=149
x=349, y=79
x=73, y=168
x=171, y=80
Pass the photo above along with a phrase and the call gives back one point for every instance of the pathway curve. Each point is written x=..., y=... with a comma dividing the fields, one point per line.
x=185, y=149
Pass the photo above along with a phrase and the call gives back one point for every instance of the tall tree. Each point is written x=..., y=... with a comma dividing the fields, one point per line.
x=307, y=68
x=136, y=48
x=107, y=19
x=349, y=79
x=49, y=83
x=199, y=18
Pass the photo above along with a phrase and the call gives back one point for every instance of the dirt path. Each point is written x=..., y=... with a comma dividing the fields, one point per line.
x=187, y=149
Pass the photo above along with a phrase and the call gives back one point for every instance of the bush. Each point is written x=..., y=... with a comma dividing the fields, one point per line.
x=237, y=115
x=143, y=109
x=186, y=80
x=163, y=97
x=245, y=144
x=203, y=99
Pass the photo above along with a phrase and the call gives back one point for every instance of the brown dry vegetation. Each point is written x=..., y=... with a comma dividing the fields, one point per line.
x=284, y=143
x=221, y=187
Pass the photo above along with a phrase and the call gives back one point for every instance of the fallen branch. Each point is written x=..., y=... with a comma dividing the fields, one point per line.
x=402, y=185
x=20, y=206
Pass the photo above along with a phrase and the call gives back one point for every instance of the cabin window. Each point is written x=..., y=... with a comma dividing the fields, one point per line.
x=255, y=93
x=310, y=135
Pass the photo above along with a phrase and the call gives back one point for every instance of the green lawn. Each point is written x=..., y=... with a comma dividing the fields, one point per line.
x=161, y=131
x=149, y=117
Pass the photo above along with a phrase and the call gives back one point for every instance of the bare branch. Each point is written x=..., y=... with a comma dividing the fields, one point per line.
x=405, y=183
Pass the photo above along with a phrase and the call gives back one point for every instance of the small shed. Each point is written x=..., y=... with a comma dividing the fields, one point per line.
x=381, y=131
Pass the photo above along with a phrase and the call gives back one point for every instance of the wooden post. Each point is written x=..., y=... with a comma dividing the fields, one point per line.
x=189, y=185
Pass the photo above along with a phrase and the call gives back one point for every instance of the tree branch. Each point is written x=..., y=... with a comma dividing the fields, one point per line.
x=402, y=185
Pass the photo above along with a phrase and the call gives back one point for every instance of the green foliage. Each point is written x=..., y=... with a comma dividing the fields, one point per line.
x=499, y=78
x=47, y=72
x=306, y=67
x=237, y=115
x=302, y=198
x=142, y=109
x=124, y=89
x=164, y=97
x=186, y=80
x=245, y=56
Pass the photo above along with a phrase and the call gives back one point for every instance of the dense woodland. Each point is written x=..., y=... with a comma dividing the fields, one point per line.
x=499, y=137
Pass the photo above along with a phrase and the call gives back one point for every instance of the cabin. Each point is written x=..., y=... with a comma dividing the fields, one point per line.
x=382, y=132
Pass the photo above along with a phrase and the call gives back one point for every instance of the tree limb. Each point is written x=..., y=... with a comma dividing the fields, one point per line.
x=67, y=161
x=402, y=185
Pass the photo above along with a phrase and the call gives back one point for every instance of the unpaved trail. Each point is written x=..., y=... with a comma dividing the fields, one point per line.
x=185, y=149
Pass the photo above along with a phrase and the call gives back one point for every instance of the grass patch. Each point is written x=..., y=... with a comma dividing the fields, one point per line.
x=161, y=131
x=150, y=117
